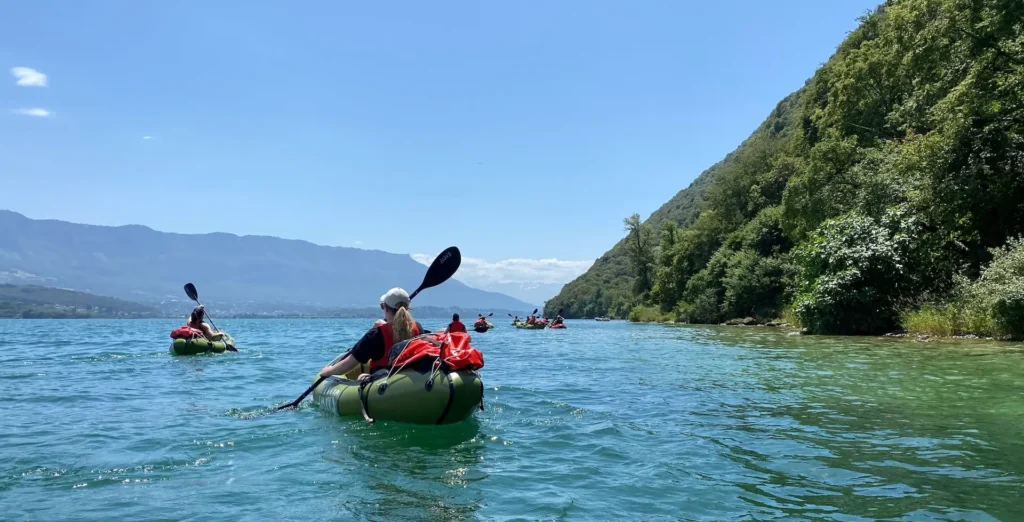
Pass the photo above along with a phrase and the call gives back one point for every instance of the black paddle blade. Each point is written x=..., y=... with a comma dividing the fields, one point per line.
x=534, y=311
x=190, y=291
x=442, y=269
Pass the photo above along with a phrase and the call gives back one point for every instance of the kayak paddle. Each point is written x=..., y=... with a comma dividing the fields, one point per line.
x=442, y=269
x=193, y=294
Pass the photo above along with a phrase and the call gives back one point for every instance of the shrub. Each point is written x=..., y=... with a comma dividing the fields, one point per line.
x=856, y=272
x=991, y=306
x=648, y=314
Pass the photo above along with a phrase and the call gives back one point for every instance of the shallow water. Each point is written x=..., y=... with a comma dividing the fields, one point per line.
x=602, y=421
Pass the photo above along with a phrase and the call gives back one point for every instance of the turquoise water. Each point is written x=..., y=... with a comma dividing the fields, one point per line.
x=602, y=421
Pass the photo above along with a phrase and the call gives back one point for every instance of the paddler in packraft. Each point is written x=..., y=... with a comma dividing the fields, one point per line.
x=456, y=325
x=195, y=321
x=375, y=345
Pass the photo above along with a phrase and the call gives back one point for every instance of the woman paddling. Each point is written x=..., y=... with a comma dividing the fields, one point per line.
x=375, y=345
x=195, y=321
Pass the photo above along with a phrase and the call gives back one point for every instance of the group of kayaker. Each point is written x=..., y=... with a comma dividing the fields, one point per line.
x=374, y=347
x=536, y=319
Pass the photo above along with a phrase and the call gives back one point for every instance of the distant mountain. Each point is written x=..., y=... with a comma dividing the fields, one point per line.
x=141, y=264
x=533, y=293
x=30, y=301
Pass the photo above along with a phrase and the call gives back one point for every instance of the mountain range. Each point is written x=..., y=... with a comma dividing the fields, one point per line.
x=138, y=263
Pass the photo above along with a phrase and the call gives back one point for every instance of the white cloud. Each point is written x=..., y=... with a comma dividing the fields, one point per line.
x=29, y=77
x=479, y=272
x=37, y=112
x=358, y=242
x=147, y=137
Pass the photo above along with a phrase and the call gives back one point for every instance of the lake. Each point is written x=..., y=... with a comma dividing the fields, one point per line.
x=601, y=421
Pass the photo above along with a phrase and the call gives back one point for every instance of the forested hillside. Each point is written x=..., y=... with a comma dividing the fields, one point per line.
x=30, y=301
x=886, y=191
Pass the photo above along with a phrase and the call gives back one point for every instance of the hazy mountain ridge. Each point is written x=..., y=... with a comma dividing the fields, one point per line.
x=138, y=263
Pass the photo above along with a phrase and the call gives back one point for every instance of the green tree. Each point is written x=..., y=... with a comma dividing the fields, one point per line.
x=640, y=245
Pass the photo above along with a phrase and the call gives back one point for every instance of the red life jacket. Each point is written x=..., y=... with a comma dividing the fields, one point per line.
x=389, y=341
x=457, y=326
x=453, y=349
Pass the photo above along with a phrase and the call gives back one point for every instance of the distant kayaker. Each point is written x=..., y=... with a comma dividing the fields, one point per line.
x=374, y=346
x=558, y=320
x=456, y=325
x=195, y=321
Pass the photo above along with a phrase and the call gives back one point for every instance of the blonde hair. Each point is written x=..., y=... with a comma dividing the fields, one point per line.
x=402, y=324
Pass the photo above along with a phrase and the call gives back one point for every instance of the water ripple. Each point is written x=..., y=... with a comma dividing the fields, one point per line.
x=602, y=421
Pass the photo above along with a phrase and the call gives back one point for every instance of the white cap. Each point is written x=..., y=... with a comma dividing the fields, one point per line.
x=394, y=297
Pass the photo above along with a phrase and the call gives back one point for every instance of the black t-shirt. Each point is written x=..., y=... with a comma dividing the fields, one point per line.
x=371, y=345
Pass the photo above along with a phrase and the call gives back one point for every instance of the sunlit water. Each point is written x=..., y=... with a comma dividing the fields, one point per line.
x=602, y=421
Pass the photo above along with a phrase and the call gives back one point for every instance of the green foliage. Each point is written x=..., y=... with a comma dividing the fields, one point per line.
x=757, y=286
x=992, y=305
x=1000, y=289
x=648, y=314
x=948, y=319
x=640, y=246
x=898, y=166
x=856, y=272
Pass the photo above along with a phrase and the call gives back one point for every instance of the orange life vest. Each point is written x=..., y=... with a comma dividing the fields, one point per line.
x=457, y=326
x=389, y=341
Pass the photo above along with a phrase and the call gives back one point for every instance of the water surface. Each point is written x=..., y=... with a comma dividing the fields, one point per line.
x=602, y=421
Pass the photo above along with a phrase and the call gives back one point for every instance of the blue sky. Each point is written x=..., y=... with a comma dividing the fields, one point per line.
x=516, y=130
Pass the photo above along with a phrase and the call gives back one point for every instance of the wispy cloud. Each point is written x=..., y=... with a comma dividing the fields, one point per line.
x=480, y=272
x=37, y=112
x=358, y=242
x=147, y=137
x=29, y=77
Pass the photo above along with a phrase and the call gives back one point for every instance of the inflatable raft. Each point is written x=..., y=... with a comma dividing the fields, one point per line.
x=419, y=390
x=535, y=326
x=481, y=328
x=560, y=326
x=199, y=345
x=428, y=397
